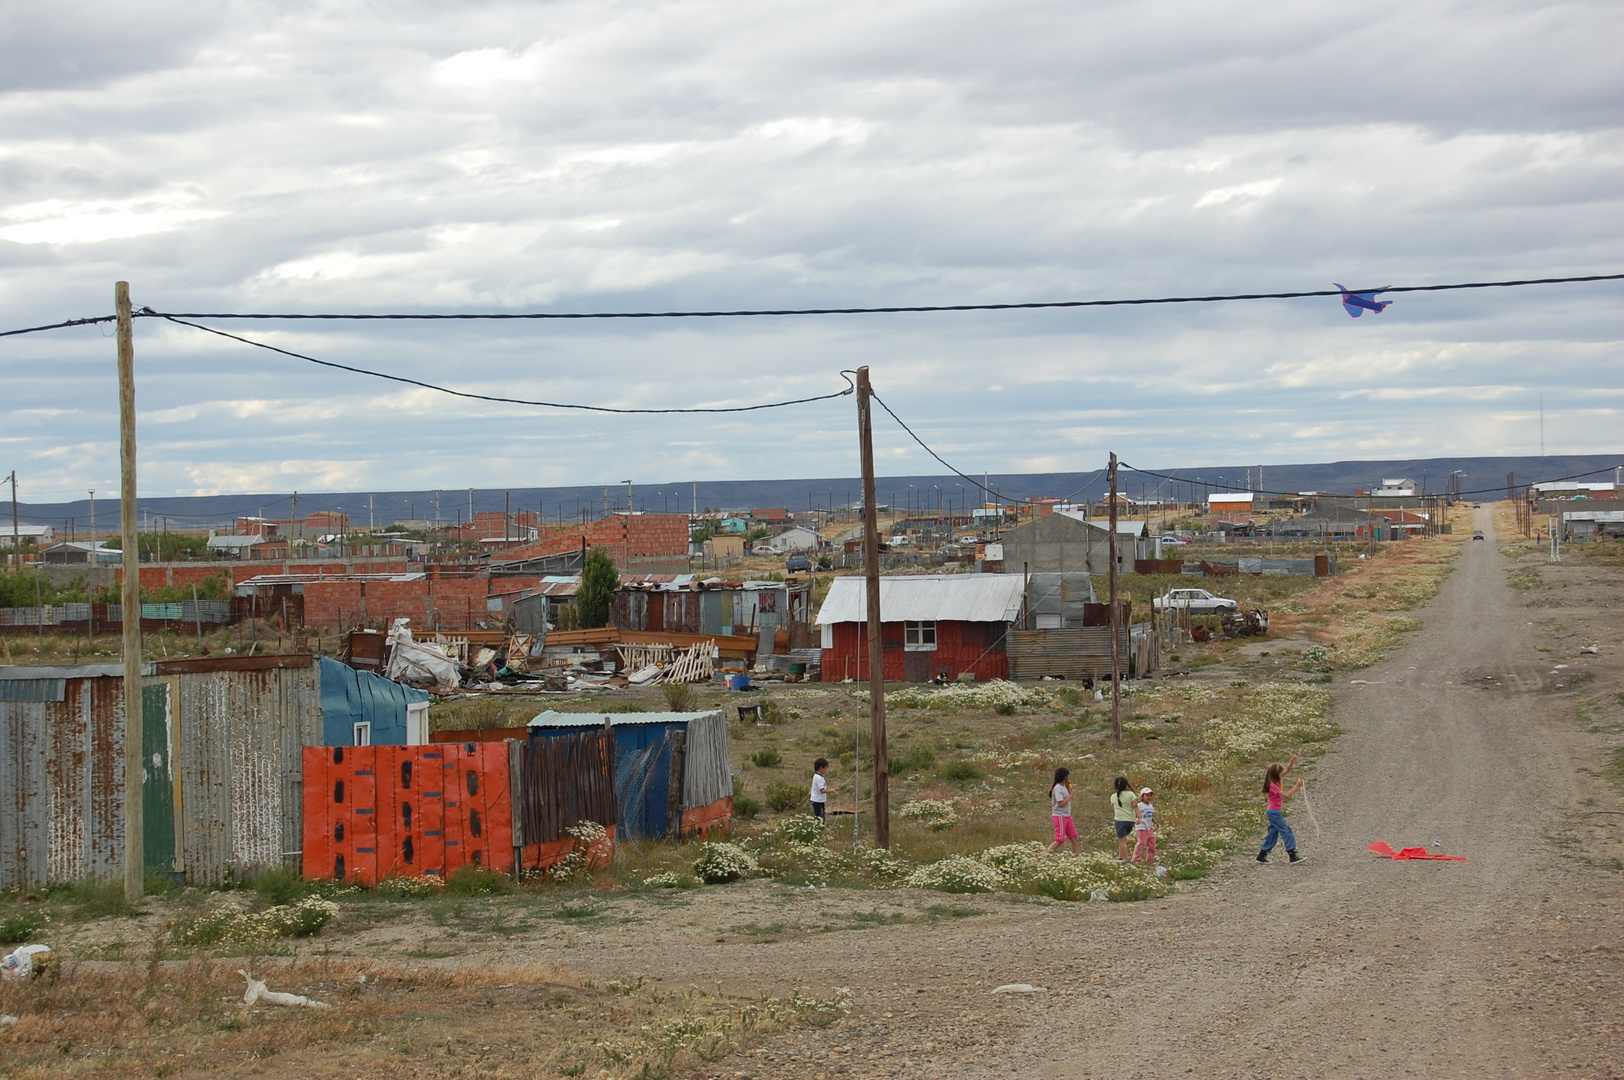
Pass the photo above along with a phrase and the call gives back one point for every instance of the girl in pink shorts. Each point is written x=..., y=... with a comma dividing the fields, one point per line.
x=1144, y=827
x=1060, y=799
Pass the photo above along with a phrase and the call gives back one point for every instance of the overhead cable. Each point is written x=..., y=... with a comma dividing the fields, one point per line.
x=59, y=325
x=891, y=310
x=1293, y=494
x=942, y=460
x=507, y=400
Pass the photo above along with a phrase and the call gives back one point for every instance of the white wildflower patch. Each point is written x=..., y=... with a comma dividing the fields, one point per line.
x=882, y=864
x=411, y=888
x=585, y=836
x=957, y=874
x=229, y=928
x=939, y=814
x=1269, y=715
x=1014, y=861
x=722, y=862
x=668, y=880
x=998, y=759
x=986, y=696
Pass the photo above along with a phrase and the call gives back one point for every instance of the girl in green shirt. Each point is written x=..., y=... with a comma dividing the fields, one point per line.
x=1122, y=815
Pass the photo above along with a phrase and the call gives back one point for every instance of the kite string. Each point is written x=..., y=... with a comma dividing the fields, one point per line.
x=1310, y=808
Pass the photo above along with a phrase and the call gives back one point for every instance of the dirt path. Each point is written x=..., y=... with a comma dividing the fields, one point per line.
x=1507, y=965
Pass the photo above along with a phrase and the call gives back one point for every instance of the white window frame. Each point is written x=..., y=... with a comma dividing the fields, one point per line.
x=363, y=733
x=417, y=723
x=914, y=635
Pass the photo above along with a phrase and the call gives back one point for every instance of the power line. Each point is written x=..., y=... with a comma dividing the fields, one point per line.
x=59, y=325
x=892, y=310
x=941, y=460
x=1259, y=491
x=505, y=400
x=899, y=309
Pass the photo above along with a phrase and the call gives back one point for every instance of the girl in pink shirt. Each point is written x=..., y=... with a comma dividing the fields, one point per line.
x=1279, y=828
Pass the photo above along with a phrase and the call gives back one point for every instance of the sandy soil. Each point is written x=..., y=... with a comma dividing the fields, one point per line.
x=1345, y=965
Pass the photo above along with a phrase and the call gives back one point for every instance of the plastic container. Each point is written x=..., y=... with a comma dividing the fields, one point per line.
x=738, y=682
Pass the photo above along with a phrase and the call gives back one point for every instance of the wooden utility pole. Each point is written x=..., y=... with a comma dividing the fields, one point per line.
x=1116, y=616
x=134, y=857
x=16, y=533
x=876, y=656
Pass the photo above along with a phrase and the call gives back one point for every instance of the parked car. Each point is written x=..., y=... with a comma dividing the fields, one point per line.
x=799, y=561
x=1477, y=534
x=1195, y=601
x=1166, y=540
x=900, y=541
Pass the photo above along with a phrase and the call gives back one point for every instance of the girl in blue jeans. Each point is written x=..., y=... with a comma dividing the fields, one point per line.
x=1279, y=829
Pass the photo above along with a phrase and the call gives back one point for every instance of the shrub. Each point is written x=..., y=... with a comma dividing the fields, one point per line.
x=745, y=808
x=917, y=759
x=800, y=829
x=937, y=813
x=679, y=696
x=781, y=795
x=470, y=880
x=956, y=874
x=960, y=771
x=281, y=885
x=670, y=880
x=228, y=928
x=767, y=758
x=20, y=929
x=718, y=863
x=410, y=888
x=882, y=864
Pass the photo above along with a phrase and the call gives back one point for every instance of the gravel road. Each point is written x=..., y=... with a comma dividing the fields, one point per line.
x=1343, y=966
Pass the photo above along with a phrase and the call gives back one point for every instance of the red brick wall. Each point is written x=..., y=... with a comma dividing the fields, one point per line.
x=627, y=538
x=449, y=603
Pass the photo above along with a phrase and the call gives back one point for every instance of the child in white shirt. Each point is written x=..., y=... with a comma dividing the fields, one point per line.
x=820, y=789
x=1144, y=826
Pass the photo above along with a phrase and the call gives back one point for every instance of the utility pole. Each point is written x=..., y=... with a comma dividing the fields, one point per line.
x=630, y=507
x=1116, y=615
x=16, y=533
x=370, y=524
x=134, y=820
x=507, y=518
x=93, y=526
x=293, y=526
x=876, y=659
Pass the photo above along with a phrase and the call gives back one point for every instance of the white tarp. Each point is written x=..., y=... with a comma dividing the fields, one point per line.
x=418, y=662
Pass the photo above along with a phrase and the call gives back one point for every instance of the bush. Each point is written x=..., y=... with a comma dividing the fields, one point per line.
x=20, y=929
x=470, y=880
x=768, y=758
x=781, y=795
x=282, y=885
x=228, y=928
x=745, y=808
x=800, y=829
x=955, y=874
x=718, y=863
x=679, y=696
x=917, y=759
x=960, y=771
x=937, y=813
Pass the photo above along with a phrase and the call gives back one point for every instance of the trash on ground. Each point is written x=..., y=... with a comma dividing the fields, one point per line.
x=256, y=992
x=1381, y=847
x=20, y=962
x=1021, y=988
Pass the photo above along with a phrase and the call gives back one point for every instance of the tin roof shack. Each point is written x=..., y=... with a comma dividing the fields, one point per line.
x=1064, y=542
x=934, y=625
x=1592, y=524
x=1056, y=601
x=82, y=552
x=222, y=797
x=683, y=604
x=359, y=708
x=672, y=773
x=799, y=538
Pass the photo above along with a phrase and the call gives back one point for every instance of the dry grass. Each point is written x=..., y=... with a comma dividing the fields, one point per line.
x=183, y=1019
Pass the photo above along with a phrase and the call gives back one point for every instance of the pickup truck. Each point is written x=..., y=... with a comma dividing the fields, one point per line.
x=1195, y=601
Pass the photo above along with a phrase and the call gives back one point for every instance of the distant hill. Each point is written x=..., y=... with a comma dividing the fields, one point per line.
x=1481, y=475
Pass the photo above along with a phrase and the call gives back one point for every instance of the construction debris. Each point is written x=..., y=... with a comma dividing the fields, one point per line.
x=256, y=992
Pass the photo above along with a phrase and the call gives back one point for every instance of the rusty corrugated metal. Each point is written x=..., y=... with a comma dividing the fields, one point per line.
x=235, y=737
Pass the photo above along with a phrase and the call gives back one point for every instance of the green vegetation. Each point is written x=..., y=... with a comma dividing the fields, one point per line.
x=599, y=580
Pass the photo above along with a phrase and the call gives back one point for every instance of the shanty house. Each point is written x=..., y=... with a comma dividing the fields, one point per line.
x=658, y=756
x=1230, y=505
x=359, y=708
x=934, y=625
x=800, y=538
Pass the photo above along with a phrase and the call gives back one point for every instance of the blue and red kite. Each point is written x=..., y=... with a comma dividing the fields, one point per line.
x=1357, y=303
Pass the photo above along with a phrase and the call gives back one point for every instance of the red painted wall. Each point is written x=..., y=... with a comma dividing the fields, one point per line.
x=960, y=647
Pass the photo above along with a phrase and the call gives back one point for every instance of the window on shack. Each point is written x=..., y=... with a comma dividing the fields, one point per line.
x=919, y=636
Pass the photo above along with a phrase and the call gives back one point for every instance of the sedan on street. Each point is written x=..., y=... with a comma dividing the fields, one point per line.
x=1195, y=601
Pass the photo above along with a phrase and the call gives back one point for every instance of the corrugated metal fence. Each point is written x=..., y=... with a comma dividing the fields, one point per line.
x=223, y=779
x=213, y=612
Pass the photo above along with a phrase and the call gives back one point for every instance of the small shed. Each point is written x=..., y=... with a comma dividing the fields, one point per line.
x=934, y=625
x=359, y=708
x=672, y=773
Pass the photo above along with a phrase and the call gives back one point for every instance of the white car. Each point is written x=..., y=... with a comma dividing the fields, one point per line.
x=1195, y=601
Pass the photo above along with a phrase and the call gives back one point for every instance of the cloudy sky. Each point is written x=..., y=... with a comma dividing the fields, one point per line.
x=402, y=157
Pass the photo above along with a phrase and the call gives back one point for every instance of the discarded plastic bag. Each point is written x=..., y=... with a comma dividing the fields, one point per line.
x=256, y=992
x=1099, y=894
x=1021, y=988
x=19, y=963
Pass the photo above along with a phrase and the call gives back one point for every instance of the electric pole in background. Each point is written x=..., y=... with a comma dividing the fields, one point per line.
x=1116, y=615
x=134, y=819
x=876, y=657
x=16, y=533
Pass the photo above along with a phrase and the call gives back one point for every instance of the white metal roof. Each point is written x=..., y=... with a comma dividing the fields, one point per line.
x=1593, y=515
x=549, y=719
x=927, y=597
x=1229, y=497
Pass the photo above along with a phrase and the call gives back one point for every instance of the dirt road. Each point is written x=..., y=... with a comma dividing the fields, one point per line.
x=1506, y=965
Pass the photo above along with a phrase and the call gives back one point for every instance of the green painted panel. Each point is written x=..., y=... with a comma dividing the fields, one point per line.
x=157, y=781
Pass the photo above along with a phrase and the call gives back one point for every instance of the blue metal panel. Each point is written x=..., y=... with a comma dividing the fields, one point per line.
x=350, y=697
x=642, y=774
